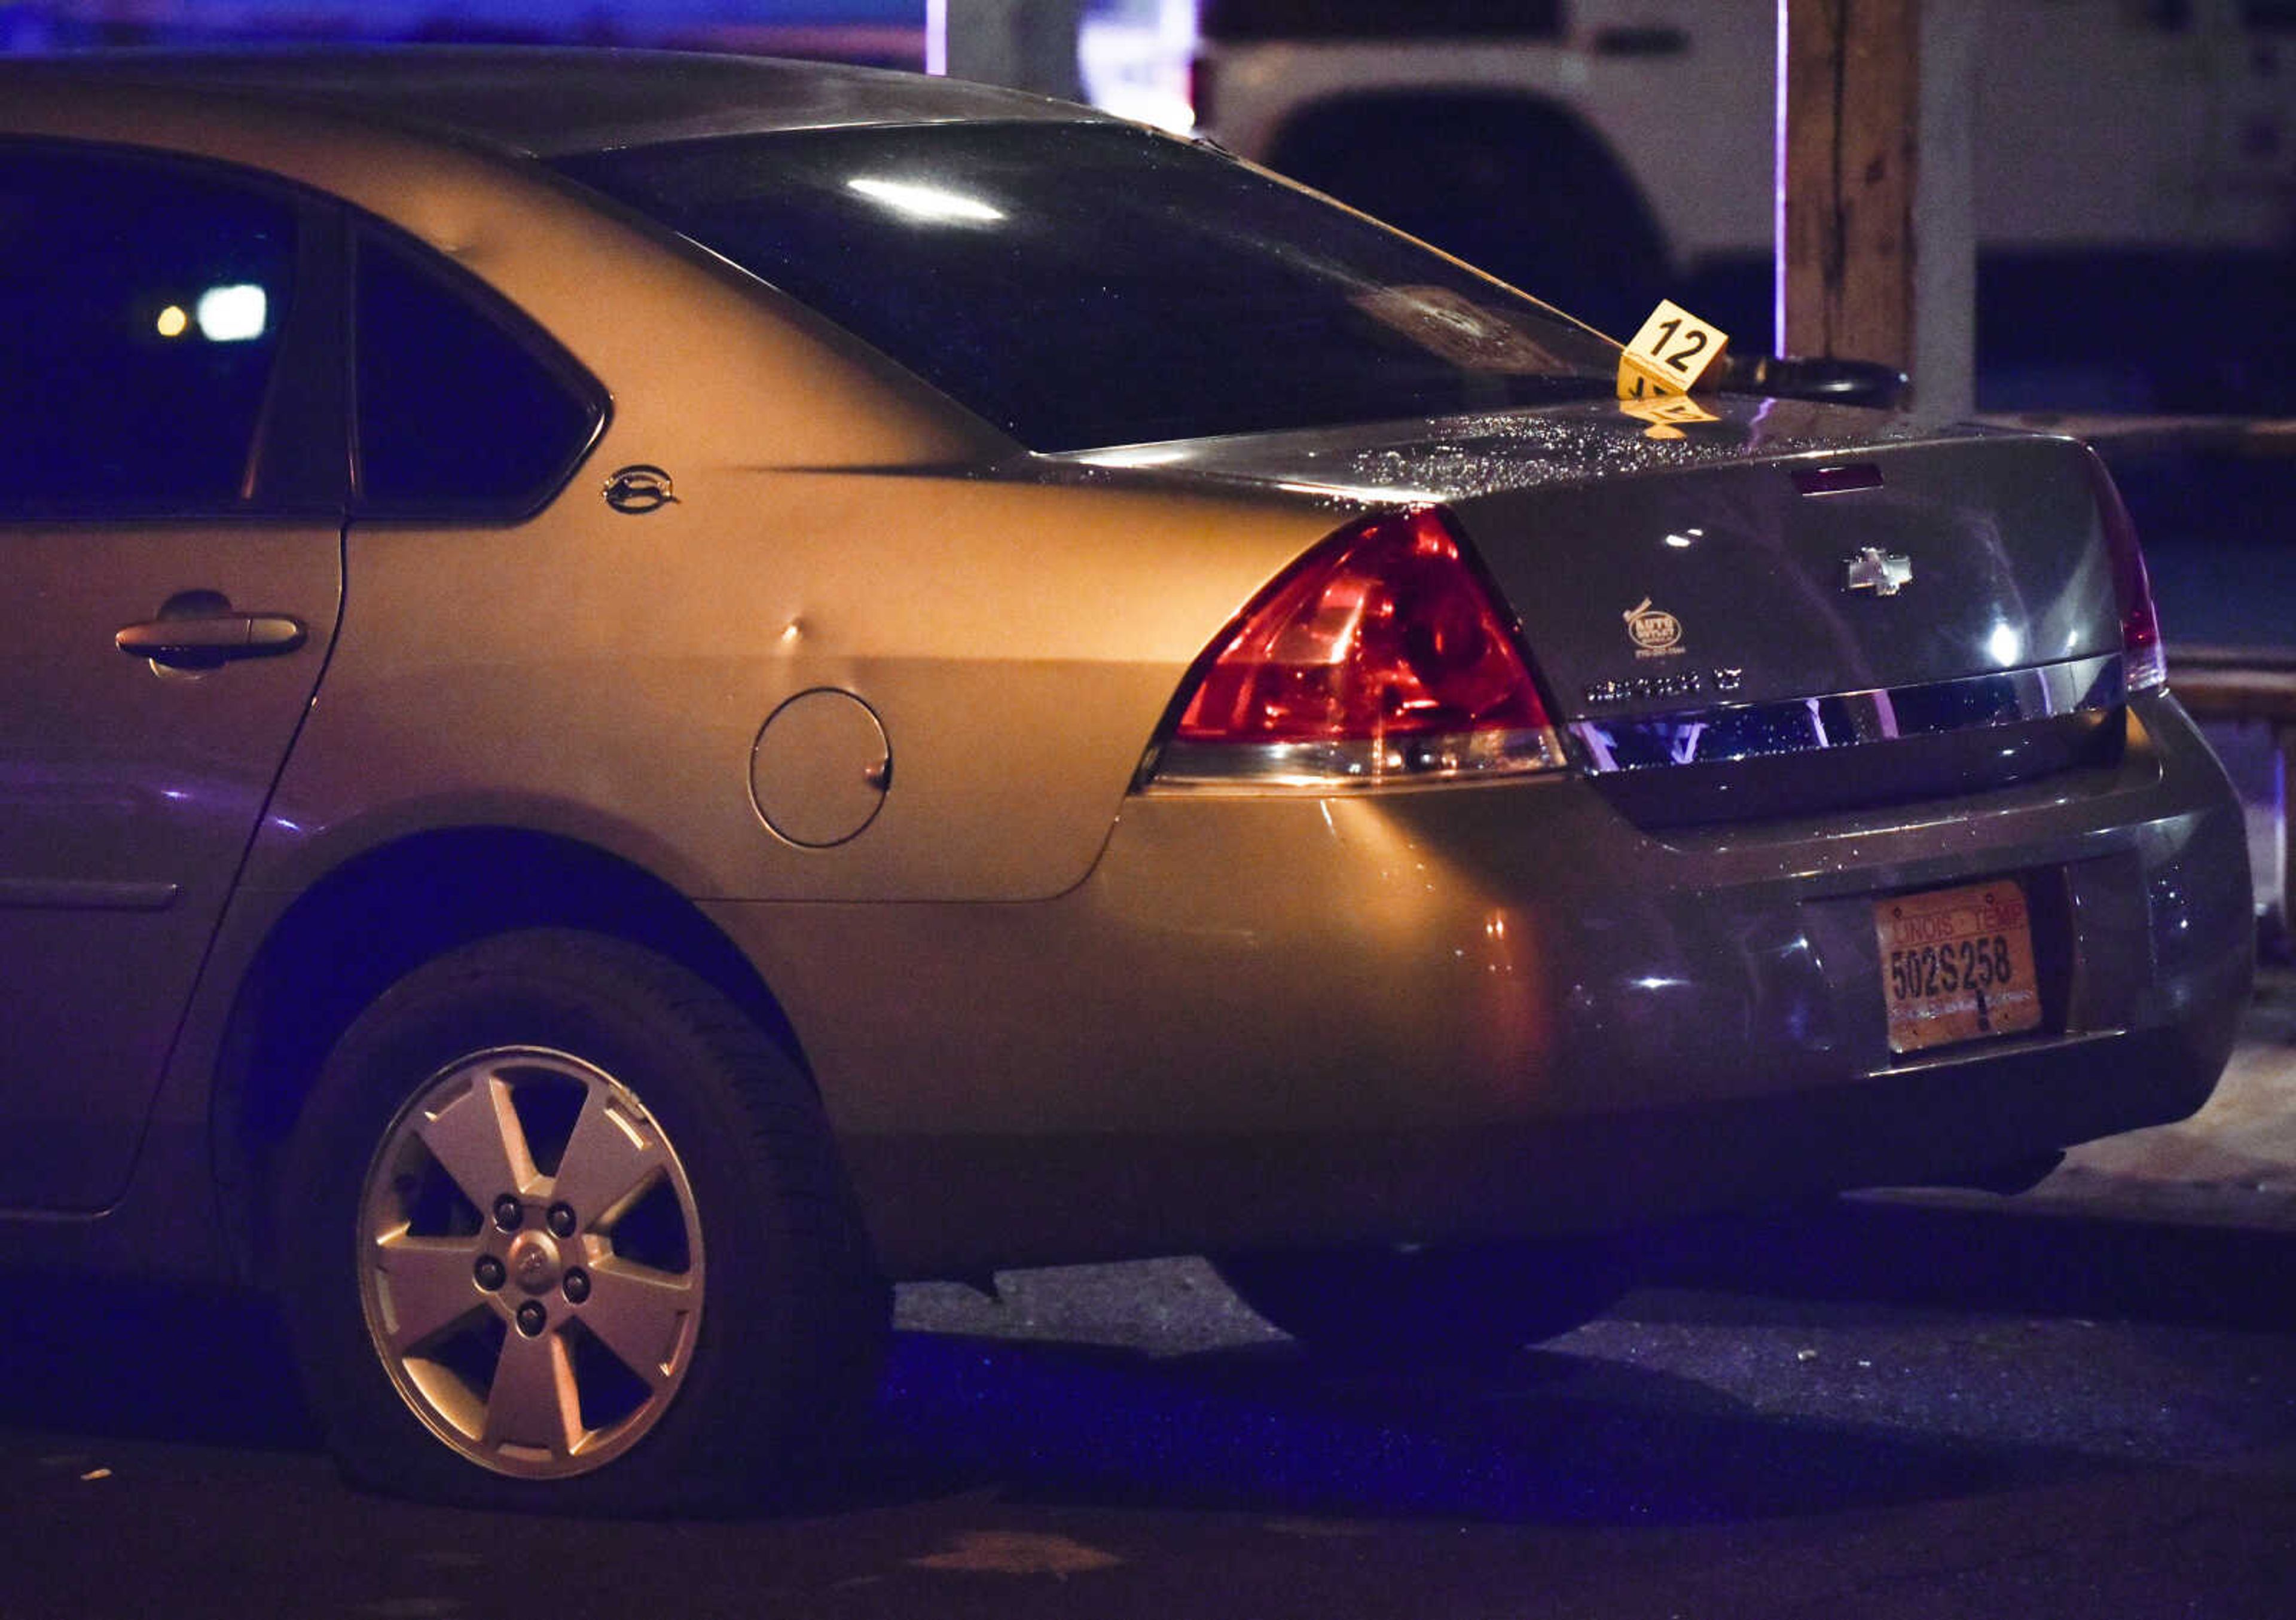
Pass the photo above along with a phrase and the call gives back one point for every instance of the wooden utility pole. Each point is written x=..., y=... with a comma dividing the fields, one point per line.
x=1875, y=246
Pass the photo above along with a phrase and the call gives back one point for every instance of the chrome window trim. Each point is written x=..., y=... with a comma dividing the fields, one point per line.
x=1849, y=719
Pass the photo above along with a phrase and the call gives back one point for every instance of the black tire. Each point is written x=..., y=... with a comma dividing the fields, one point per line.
x=1468, y=1304
x=735, y=1246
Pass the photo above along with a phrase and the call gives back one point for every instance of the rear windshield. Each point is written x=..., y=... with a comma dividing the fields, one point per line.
x=1083, y=285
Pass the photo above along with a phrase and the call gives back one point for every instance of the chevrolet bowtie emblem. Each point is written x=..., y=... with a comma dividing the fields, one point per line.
x=1873, y=569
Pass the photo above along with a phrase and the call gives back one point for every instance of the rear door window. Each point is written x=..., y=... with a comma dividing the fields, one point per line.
x=141, y=306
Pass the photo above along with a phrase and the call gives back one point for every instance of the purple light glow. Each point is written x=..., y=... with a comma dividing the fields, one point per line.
x=1778, y=195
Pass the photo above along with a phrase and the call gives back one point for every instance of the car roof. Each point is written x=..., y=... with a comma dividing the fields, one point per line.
x=545, y=102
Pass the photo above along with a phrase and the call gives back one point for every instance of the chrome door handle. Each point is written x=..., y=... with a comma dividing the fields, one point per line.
x=205, y=641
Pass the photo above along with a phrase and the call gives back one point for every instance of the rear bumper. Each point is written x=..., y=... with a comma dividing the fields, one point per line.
x=1499, y=1008
x=951, y=1205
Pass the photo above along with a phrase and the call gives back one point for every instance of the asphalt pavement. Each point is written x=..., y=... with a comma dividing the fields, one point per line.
x=2231, y=1164
x=2075, y=1404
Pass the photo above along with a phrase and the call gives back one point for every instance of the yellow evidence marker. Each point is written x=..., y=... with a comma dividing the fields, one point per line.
x=1671, y=352
x=1665, y=413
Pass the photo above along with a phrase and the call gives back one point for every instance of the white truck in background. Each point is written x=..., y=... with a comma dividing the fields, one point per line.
x=1603, y=153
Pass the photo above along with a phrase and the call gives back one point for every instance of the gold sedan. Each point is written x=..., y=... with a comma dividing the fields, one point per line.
x=648, y=691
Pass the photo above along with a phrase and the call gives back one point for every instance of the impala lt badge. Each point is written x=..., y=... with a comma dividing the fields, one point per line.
x=1875, y=571
x=1664, y=688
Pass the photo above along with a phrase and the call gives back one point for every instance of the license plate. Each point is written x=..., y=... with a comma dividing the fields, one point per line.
x=1956, y=965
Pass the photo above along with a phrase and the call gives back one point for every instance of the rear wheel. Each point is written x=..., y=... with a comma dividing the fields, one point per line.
x=560, y=1227
x=1476, y=1303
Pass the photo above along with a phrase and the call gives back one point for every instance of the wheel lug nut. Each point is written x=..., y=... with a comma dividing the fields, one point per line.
x=510, y=1214
x=577, y=1286
x=532, y=1318
x=562, y=1223
x=489, y=1272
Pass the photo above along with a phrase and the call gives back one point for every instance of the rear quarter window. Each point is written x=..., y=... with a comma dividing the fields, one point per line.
x=464, y=406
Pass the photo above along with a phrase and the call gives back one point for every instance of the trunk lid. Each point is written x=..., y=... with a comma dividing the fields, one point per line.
x=1880, y=568
x=1742, y=600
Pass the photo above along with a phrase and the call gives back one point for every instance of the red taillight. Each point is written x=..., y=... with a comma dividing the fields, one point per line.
x=2143, y=659
x=1379, y=654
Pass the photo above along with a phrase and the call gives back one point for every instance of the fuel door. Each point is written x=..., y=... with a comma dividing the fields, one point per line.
x=821, y=768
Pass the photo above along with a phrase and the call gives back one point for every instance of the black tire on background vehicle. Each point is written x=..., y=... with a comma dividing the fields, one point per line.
x=560, y=1227
x=1469, y=1304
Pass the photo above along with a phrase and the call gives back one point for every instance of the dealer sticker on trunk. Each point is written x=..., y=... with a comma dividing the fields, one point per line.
x=1956, y=965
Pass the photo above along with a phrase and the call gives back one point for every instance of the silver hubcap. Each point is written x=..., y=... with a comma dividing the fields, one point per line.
x=530, y=1263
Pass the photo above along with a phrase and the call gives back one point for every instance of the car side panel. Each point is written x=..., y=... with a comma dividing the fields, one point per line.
x=1267, y=1019
x=607, y=676
x=128, y=795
